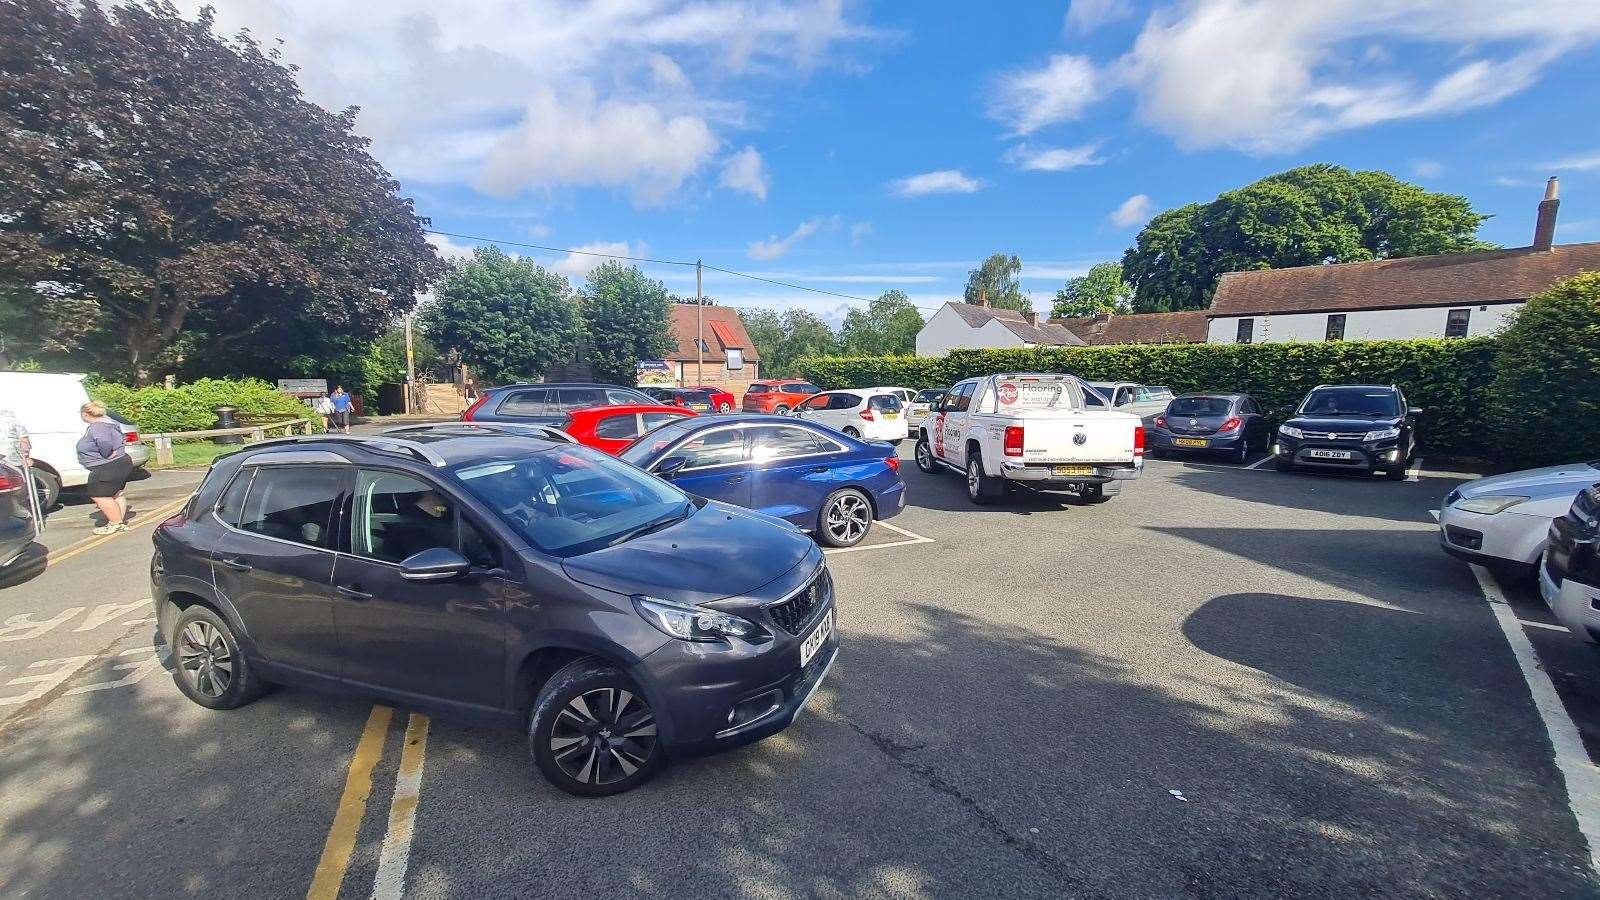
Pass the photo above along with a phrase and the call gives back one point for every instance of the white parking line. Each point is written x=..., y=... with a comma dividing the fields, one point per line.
x=913, y=538
x=390, y=882
x=1434, y=513
x=1261, y=462
x=1545, y=625
x=1415, y=472
x=1580, y=774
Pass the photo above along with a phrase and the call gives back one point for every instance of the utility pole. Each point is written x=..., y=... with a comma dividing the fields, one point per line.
x=699, y=330
x=411, y=370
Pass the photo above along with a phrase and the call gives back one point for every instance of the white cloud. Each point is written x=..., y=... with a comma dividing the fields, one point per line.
x=1028, y=100
x=746, y=171
x=944, y=181
x=859, y=232
x=448, y=248
x=843, y=278
x=1135, y=210
x=774, y=246
x=1085, y=16
x=1427, y=168
x=577, y=266
x=1054, y=159
x=1504, y=181
x=1582, y=163
x=667, y=74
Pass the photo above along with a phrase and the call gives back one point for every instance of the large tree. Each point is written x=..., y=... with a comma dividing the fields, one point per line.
x=1100, y=290
x=783, y=339
x=511, y=319
x=625, y=314
x=888, y=325
x=1307, y=216
x=996, y=282
x=165, y=192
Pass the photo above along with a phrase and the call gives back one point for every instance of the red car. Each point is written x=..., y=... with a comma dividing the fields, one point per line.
x=777, y=395
x=721, y=400
x=610, y=428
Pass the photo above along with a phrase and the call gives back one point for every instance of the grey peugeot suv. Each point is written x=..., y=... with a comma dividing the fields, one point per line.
x=479, y=572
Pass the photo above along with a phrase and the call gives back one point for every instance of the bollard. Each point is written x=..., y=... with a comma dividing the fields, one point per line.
x=225, y=419
x=163, y=451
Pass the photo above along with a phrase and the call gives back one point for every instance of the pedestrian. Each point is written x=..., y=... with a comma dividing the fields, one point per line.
x=323, y=407
x=341, y=407
x=101, y=451
x=471, y=390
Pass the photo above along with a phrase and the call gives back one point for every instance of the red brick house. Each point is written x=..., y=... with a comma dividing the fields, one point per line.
x=726, y=359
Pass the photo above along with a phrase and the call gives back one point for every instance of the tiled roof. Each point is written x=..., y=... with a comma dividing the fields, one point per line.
x=1044, y=333
x=1141, y=328
x=1488, y=276
x=726, y=319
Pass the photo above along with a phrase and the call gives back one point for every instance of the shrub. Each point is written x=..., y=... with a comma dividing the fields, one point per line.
x=1544, y=401
x=189, y=407
x=1447, y=378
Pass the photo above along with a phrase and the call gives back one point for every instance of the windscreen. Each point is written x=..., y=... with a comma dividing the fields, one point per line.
x=1200, y=406
x=1374, y=403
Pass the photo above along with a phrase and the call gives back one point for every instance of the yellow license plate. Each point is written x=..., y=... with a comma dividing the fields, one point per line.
x=699, y=407
x=891, y=415
x=1072, y=470
x=1189, y=442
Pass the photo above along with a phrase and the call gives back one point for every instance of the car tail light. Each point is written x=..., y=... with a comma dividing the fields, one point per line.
x=1232, y=424
x=130, y=437
x=1161, y=421
x=1138, y=441
x=473, y=409
x=893, y=462
x=867, y=414
x=1013, y=445
x=10, y=479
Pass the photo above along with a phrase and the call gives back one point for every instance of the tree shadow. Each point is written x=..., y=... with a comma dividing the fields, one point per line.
x=1336, y=492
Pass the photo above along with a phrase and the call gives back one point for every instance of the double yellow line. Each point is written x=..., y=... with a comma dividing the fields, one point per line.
x=156, y=515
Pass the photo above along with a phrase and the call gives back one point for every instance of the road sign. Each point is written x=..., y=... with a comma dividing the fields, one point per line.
x=304, y=387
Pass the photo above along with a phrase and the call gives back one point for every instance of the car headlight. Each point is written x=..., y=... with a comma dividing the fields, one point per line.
x=695, y=623
x=1382, y=434
x=1490, y=504
x=1291, y=431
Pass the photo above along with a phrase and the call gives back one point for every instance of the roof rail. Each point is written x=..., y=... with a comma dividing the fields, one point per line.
x=485, y=429
x=376, y=442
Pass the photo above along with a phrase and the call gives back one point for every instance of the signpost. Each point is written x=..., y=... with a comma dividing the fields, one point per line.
x=654, y=373
x=304, y=387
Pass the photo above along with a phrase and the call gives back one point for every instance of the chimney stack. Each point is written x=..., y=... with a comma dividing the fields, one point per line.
x=983, y=296
x=1544, y=230
x=1032, y=317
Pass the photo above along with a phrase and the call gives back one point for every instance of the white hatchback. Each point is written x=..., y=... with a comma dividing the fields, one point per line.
x=870, y=414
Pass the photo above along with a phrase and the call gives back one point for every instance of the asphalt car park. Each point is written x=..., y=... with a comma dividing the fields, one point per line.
x=1233, y=681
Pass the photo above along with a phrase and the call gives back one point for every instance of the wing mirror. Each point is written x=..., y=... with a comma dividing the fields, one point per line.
x=671, y=466
x=437, y=564
x=1415, y=411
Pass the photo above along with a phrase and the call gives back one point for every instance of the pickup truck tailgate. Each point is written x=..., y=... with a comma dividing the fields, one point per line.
x=1106, y=438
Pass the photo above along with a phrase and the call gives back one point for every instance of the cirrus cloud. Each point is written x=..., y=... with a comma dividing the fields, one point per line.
x=943, y=181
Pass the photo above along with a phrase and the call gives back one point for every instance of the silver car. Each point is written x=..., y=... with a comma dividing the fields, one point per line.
x=1506, y=518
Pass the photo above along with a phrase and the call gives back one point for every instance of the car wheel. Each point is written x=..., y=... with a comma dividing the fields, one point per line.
x=48, y=487
x=981, y=488
x=782, y=410
x=592, y=733
x=845, y=519
x=207, y=664
x=851, y=432
x=724, y=408
x=925, y=457
x=1241, y=455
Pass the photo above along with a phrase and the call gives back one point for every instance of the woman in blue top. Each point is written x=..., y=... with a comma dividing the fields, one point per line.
x=101, y=451
x=341, y=407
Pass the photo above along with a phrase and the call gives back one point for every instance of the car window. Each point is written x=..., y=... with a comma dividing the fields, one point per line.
x=618, y=397
x=523, y=403
x=782, y=441
x=1093, y=398
x=1151, y=394
x=1343, y=401
x=653, y=421
x=720, y=447
x=231, y=507
x=1199, y=406
x=1251, y=406
x=395, y=516
x=962, y=401
x=820, y=401
x=885, y=402
x=800, y=389
x=756, y=389
x=580, y=398
x=479, y=550
x=844, y=402
x=618, y=428
x=293, y=504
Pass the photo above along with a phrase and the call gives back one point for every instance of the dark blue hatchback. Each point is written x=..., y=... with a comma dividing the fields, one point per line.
x=813, y=477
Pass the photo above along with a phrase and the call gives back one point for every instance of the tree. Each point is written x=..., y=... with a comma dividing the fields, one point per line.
x=1312, y=215
x=1100, y=290
x=996, y=281
x=165, y=192
x=888, y=326
x=511, y=319
x=1544, y=399
x=783, y=340
x=765, y=328
x=625, y=315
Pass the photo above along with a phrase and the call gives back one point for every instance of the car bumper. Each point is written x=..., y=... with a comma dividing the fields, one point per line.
x=1166, y=440
x=13, y=541
x=1046, y=475
x=1573, y=602
x=139, y=453
x=1505, y=537
x=1363, y=456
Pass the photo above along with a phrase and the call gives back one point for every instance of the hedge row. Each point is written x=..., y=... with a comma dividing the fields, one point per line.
x=1449, y=379
x=189, y=407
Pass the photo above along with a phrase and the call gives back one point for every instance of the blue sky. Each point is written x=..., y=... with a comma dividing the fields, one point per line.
x=859, y=147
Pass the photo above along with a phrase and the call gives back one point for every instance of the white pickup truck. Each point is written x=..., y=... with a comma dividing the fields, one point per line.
x=1030, y=429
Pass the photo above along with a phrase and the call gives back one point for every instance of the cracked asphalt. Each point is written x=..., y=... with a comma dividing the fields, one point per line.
x=1225, y=682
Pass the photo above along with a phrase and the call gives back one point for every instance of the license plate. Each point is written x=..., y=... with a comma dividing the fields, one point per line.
x=1072, y=470
x=1330, y=454
x=891, y=415
x=815, y=640
x=699, y=407
x=1189, y=442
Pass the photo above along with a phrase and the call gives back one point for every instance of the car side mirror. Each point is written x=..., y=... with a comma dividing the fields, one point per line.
x=1415, y=411
x=436, y=564
x=671, y=466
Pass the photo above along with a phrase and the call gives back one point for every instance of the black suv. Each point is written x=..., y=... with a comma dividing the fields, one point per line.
x=1350, y=427
x=1569, y=574
x=481, y=572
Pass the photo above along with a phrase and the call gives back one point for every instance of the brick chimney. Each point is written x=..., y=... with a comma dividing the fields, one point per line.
x=1544, y=230
x=983, y=296
x=1032, y=317
x=1098, y=324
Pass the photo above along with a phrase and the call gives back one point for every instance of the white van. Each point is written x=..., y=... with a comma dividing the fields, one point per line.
x=47, y=405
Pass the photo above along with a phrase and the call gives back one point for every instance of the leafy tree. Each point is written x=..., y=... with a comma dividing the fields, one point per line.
x=165, y=192
x=996, y=280
x=1544, y=401
x=626, y=317
x=765, y=328
x=1307, y=216
x=888, y=325
x=511, y=319
x=782, y=340
x=1100, y=290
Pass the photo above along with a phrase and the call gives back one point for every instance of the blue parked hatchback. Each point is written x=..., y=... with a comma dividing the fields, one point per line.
x=822, y=481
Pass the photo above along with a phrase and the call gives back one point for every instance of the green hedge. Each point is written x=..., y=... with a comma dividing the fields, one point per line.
x=1447, y=378
x=1544, y=403
x=188, y=407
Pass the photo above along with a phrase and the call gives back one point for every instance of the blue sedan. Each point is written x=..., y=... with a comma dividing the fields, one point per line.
x=815, y=478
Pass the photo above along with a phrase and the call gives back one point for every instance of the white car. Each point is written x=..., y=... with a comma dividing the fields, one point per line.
x=1506, y=518
x=48, y=406
x=1143, y=400
x=869, y=414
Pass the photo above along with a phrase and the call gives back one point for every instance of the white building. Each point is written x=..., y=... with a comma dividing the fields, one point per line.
x=1445, y=296
x=959, y=326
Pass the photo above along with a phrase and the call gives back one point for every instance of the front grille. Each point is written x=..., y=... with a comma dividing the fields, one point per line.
x=795, y=613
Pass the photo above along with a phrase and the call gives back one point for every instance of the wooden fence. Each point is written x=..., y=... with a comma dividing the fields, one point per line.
x=163, y=442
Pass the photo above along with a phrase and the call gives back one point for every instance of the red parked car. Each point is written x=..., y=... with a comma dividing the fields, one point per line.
x=721, y=400
x=610, y=428
x=777, y=395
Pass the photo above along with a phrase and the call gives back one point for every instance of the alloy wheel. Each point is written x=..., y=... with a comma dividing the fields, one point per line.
x=924, y=457
x=204, y=658
x=849, y=516
x=603, y=736
x=972, y=479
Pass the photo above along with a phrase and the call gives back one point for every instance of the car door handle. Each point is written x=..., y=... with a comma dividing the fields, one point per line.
x=234, y=564
x=819, y=469
x=352, y=593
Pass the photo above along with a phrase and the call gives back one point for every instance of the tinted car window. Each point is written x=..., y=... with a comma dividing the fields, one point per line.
x=395, y=516
x=843, y=401
x=617, y=397
x=929, y=396
x=653, y=421
x=756, y=389
x=579, y=398
x=963, y=398
x=618, y=428
x=640, y=451
x=885, y=402
x=1199, y=406
x=1371, y=402
x=523, y=403
x=697, y=397
x=292, y=504
x=721, y=447
x=781, y=441
x=800, y=389
x=231, y=506
x=1093, y=398
x=478, y=549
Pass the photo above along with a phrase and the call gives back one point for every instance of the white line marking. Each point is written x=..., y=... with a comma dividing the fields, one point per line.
x=1434, y=513
x=1415, y=472
x=1581, y=776
x=1261, y=462
x=1546, y=625
x=897, y=528
x=390, y=882
x=914, y=539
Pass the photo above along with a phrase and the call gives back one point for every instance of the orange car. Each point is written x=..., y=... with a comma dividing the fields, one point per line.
x=777, y=395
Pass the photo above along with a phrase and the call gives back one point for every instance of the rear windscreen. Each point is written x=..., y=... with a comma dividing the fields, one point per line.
x=1200, y=406
x=885, y=402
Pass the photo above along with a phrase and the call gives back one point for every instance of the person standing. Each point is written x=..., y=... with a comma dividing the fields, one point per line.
x=101, y=450
x=323, y=407
x=341, y=407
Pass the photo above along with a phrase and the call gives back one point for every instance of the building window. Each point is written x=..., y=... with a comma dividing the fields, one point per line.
x=1455, y=325
x=1335, y=327
x=735, y=359
x=701, y=343
x=1247, y=329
